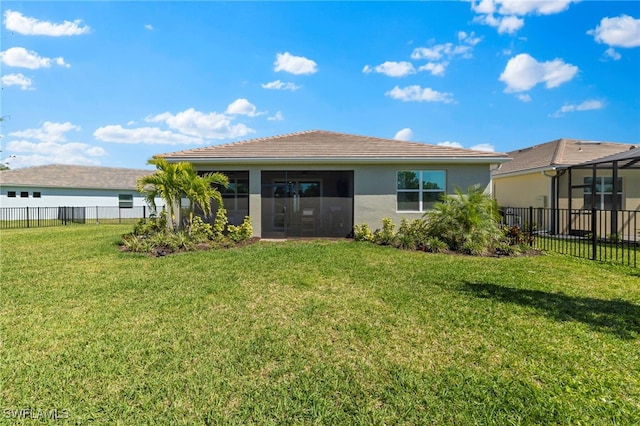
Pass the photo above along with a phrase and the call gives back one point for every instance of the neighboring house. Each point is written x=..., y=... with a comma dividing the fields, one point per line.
x=71, y=186
x=538, y=176
x=592, y=172
x=320, y=183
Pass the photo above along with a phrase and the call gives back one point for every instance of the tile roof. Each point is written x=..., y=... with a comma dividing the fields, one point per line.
x=559, y=153
x=67, y=176
x=324, y=145
x=629, y=158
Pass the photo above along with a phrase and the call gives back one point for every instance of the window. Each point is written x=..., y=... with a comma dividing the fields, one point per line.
x=604, y=193
x=24, y=194
x=418, y=191
x=37, y=195
x=125, y=201
x=11, y=194
x=236, y=196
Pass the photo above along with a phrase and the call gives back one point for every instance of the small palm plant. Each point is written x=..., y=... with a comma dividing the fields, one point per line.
x=467, y=222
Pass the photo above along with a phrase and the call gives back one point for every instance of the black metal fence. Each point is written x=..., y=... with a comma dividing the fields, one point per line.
x=35, y=217
x=603, y=235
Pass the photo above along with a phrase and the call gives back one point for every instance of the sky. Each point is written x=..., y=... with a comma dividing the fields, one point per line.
x=113, y=83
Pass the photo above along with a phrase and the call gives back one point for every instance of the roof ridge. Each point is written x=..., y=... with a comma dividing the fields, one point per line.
x=558, y=154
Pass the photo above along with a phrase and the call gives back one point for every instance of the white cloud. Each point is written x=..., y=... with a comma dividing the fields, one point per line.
x=588, y=105
x=36, y=154
x=391, y=69
x=15, y=21
x=523, y=97
x=538, y=7
x=611, y=53
x=418, y=94
x=621, y=31
x=294, y=64
x=505, y=14
x=202, y=125
x=51, y=146
x=523, y=72
x=469, y=39
x=277, y=117
x=242, y=106
x=146, y=135
x=23, y=58
x=483, y=147
x=450, y=144
x=17, y=80
x=280, y=85
x=434, y=68
x=440, y=55
x=404, y=135
x=49, y=132
x=149, y=27
x=479, y=147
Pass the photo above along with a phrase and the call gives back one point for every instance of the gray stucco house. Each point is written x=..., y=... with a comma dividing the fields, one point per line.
x=320, y=183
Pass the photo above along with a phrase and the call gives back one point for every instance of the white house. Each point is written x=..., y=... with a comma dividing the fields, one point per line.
x=67, y=192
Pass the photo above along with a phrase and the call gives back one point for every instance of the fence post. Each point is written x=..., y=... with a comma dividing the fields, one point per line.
x=28, y=225
x=594, y=235
x=144, y=212
x=38, y=216
x=530, y=226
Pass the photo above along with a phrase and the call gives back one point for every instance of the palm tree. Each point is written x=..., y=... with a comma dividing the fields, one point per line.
x=172, y=181
x=201, y=190
x=163, y=183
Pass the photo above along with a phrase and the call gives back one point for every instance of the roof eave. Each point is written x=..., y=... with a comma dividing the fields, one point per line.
x=528, y=171
x=345, y=160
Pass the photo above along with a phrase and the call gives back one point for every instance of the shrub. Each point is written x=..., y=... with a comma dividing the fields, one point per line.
x=199, y=230
x=465, y=221
x=150, y=226
x=435, y=245
x=136, y=243
x=362, y=233
x=505, y=249
x=387, y=235
x=411, y=235
x=220, y=224
x=241, y=232
x=517, y=236
x=474, y=248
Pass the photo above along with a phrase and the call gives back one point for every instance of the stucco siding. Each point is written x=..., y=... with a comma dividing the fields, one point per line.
x=630, y=188
x=527, y=190
x=374, y=186
x=375, y=189
x=57, y=197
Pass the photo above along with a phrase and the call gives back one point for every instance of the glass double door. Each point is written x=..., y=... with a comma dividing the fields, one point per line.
x=296, y=207
x=311, y=203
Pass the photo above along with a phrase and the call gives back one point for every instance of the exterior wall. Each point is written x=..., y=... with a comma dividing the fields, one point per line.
x=57, y=197
x=528, y=190
x=630, y=188
x=375, y=186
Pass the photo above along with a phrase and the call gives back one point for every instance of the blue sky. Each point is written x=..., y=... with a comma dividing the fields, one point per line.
x=113, y=83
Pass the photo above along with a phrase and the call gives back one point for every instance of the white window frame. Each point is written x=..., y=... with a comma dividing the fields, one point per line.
x=419, y=190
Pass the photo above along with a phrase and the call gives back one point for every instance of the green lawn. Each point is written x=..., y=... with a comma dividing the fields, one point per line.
x=312, y=333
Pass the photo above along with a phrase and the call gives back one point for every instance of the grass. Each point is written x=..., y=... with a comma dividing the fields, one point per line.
x=312, y=333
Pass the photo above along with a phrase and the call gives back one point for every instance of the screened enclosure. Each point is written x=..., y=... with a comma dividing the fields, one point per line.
x=307, y=204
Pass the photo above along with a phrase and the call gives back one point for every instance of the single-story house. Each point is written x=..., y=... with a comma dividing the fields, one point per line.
x=543, y=176
x=320, y=183
x=538, y=176
x=73, y=186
